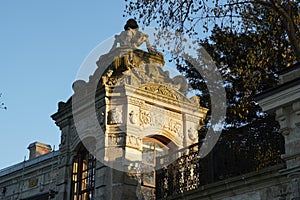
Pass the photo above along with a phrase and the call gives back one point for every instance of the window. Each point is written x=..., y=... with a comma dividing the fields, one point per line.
x=83, y=176
x=152, y=149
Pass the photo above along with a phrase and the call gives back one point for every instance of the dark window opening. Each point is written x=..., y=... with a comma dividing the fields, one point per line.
x=83, y=176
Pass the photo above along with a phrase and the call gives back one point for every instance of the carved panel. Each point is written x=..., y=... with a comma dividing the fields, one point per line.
x=192, y=134
x=133, y=141
x=173, y=126
x=115, y=116
x=32, y=182
x=158, y=118
x=116, y=140
x=133, y=117
x=159, y=89
x=145, y=118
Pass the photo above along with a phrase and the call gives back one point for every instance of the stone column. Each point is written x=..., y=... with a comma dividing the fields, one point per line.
x=295, y=163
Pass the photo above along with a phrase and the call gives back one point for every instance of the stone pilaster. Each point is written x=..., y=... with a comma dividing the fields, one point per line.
x=284, y=101
x=288, y=117
x=295, y=186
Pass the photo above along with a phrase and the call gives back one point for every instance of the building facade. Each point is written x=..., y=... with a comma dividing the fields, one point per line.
x=131, y=132
x=112, y=130
x=33, y=179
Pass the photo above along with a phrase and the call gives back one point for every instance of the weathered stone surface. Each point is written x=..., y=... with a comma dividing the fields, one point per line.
x=284, y=101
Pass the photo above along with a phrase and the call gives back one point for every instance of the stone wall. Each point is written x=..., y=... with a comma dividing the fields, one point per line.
x=30, y=178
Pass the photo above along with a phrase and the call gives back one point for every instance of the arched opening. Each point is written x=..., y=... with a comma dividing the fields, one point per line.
x=153, y=147
x=83, y=175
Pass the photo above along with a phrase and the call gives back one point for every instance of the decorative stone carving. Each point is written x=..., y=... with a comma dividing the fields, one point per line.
x=173, y=126
x=133, y=141
x=159, y=89
x=158, y=118
x=116, y=140
x=195, y=100
x=115, y=116
x=181, y=83
x=283, y=120
x=145, y=118
x=133, y=117
x=135, y=101
x=136, y=68
x=105, y=78
x=32, y=182
x=101, y=116
x=192, y=134
x=131, y=37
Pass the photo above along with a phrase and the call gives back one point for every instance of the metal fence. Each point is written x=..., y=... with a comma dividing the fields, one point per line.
x=237, y=152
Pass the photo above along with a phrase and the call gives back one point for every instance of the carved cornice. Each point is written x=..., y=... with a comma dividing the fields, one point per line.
x=280, y=96
x=135, y=101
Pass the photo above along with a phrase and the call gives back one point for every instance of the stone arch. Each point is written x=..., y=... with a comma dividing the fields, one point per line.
x=164, y=140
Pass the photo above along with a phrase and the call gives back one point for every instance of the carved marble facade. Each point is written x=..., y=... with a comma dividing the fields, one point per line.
x=129, y=98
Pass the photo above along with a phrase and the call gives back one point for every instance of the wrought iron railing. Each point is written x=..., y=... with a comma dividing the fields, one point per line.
x=237, y=152
x=180, y=176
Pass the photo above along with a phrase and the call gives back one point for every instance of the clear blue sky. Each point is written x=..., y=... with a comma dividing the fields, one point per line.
x=42, y=45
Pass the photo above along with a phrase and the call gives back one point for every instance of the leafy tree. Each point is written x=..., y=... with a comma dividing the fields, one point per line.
x=249, y=69
x=250, y=41
x=192, y=16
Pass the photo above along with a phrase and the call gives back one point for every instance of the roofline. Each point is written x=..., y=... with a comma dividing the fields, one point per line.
x=288, y=69
x=28, y=163
x=277, y=89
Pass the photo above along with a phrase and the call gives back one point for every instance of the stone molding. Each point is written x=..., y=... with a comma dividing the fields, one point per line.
x=280, y=98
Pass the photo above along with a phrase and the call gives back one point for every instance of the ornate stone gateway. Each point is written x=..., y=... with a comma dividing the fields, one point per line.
x=142, y=101
x=128, y=113
x=136, y=99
